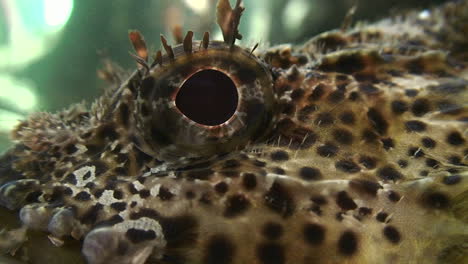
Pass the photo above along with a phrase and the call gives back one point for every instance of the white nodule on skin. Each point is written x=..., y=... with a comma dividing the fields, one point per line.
x=107, y=198
x=81, y=172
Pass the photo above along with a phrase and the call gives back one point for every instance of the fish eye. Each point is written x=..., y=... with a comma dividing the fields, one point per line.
x=203, y=98
x=208, y=97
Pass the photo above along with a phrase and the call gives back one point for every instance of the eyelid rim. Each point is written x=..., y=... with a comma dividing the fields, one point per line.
x=261, y=86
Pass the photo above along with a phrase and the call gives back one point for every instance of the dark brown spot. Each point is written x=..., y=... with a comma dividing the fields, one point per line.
x=318, y=92
x=231, y=164
x=279, y=199
x=354, y=96
x=144, y=193
x=423, y=173
x=70, y=148
x=392, y=234
x=236, y=205
x=415, y=152
x=279, y=155
x=328, y=150
x=138, y=235
x=304, y=113
x=219, y=249
x=91, y=215
x=221, y=187
x=271, y=253
x=368, y=162
x=432, y=163
x=365, y=186
x=331, y=42
x=428, y=142
x=455, y=160
x=348, y=243
x=279, y=170
x=347, y=166
x=387, y=143
x=70, y=178
x=411, y=92
x=368, y=88
x=347, y=118
x=131, y=189
x=259, y=163
x=436, y=200
x=324, y=119
x=249, y=181
x=107, y=131
x=402, y=163
x=287, y=108
x=415, y=126
x=345, y=202
x=90, y=185
x=369, y=136
x=393, y=196
x=297, y=94
x=164, y=194
x=320, y=200
x=364, y=211
x=343, y=136
x=455, y=138
x=452, y=179
x=180, y=231
x=309, y=173
x=399, y=107
x=346, y=63
x=420, y=107
x=316, y=209
x=82, y=196
x=336, y=96
x=389, y=173
x=381, y=217
x=190, y=195
x=119, y=206
x=314, y=234
x=272, y=231
x=378, y=121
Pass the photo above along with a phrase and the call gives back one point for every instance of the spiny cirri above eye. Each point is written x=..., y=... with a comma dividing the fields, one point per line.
x=203, y=98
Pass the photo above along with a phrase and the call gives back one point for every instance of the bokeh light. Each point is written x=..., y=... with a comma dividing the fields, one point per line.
x=57, y=12
x=198, y=6
x=18, y=94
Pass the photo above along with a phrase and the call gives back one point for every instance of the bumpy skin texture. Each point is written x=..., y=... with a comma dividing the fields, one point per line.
x=364, y=160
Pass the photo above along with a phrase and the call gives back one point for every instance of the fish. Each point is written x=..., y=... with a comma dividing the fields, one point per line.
x=349, y=148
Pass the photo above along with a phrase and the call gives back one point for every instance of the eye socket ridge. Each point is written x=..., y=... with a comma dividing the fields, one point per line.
x=209, y=101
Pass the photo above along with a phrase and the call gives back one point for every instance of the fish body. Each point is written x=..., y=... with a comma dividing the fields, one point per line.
x=350, y=148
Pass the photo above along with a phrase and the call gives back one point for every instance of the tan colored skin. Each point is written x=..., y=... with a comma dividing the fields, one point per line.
x=363, y=158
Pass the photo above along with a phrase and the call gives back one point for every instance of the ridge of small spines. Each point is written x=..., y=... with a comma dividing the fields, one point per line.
x=141, y=56
x=228, y=19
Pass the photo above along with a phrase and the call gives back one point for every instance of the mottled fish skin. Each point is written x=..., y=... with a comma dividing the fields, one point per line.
x=351, y=148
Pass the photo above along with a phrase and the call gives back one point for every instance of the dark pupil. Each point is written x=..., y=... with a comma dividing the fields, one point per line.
x=208, y=97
